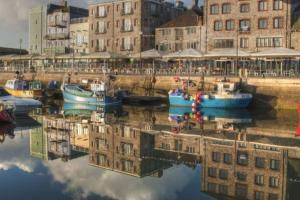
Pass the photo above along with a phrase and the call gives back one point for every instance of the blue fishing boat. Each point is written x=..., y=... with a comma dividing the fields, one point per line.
x=97, y=95
x=226, y=95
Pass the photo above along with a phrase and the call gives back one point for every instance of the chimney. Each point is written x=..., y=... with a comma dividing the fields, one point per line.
x=64, y=3
x=196, y=4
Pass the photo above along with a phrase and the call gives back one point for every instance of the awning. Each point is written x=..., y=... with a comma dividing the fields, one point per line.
x=277, y=52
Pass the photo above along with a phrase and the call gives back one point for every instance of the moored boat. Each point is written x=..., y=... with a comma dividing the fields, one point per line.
x=7, y=111
x=22, y=105
x=98, y=94
x=26, y=89
x=226, y=95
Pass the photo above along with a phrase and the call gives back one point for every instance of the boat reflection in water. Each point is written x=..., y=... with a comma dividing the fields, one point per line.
x=235, y=162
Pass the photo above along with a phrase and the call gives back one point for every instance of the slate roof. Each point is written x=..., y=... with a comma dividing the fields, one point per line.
x=189, y=18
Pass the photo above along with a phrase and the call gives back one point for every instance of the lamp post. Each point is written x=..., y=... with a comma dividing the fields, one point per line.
x=20, y=42
x=141, y=46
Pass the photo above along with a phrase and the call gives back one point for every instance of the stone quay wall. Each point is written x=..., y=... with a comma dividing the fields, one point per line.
x=278, y=93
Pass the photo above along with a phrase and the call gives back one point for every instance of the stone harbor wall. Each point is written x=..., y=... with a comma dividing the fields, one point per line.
x=278, y=93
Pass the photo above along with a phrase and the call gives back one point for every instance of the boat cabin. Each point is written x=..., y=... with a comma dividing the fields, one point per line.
x=17, y=84
x=225, y=87
x=98, y=87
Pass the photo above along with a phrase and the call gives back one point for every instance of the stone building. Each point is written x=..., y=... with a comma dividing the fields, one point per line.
x=79, y=32
x=58, y=40
x=253, y=25
x=122, y=147
x=244, y=170
x=128, y=26
x=184, y=32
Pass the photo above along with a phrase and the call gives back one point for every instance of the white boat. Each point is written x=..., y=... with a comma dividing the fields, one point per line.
x=23, y=105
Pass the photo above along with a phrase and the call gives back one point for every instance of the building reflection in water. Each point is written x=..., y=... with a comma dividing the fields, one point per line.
x=235, y=163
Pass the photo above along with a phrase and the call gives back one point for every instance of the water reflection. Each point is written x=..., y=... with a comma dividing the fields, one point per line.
x=163, y=153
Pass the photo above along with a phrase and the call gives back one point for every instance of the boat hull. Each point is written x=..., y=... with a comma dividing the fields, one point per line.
x=239, y=101
x=23, y=105
x=7, y=116
x=70, y=98
x=25, y=93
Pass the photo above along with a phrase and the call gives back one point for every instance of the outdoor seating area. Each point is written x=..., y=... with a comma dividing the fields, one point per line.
x=276, y=62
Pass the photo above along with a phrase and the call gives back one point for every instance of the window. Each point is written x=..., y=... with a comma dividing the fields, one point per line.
x=258, y=195
x=127, y=6
x=227, y=158
x=229, y=25
x=241, y=191
x=273, y=182
x=101, y=11
x=211, y=187
x=277, y=5
x=226, y=8
x=274, y=164
x=191, y=30
x=242, y=158
x=214, y=9
x=259, y=179
x=219, y=43
x=278, y=22
x=223, y=189
x=241, y=176
x=262, y=23
x=218, y=25
x=245, y=8
x=127, y=25
x=244, y=42
x=216, y=156
x=212, y=172
x=259, y=162
x=223, y=174
x=262, y=5
x=269, y=42
x=244, y=25
x=273, y=196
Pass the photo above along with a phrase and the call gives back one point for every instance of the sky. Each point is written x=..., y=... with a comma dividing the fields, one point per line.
x=14, y=19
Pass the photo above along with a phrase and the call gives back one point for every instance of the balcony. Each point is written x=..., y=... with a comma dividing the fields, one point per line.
x=101, y=15
x=57, y=36
x=127, y=28
x=58, y=23
x=101, y=31
x=100, y=49
x=244, y=30
x=126, y=47
x=127, y=11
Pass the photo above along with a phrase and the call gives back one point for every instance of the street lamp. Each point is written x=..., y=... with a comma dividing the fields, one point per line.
x=141, y=46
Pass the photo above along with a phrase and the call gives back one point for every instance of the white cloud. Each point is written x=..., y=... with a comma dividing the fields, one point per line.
x=86, y=180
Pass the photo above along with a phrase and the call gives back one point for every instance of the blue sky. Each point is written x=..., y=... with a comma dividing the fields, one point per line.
x=14, y=19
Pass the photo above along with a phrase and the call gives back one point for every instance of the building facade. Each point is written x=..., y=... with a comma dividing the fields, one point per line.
x=59, y=17
x=37, y=29
x=250, y=25
x=184, y=32
x=128, y=26
x=79, y=32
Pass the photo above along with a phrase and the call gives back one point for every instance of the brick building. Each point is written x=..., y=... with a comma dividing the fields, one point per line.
x=253, y=25
x=128, y=26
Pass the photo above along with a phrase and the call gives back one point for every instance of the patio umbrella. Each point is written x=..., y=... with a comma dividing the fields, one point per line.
x=149, y=54
x=227, y=53
x=185, y=54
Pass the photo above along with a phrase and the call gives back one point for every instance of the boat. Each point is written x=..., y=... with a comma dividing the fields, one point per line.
x=226, y=95
x=26, y=89
x=53, y=89
x=98, y=94
x=7, y=111
x=22, y=105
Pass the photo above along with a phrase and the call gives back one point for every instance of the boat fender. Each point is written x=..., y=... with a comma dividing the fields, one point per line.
x=194, y=105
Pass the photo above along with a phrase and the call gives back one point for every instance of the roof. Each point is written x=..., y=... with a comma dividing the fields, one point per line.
x=7, y=51
x=188, y=18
